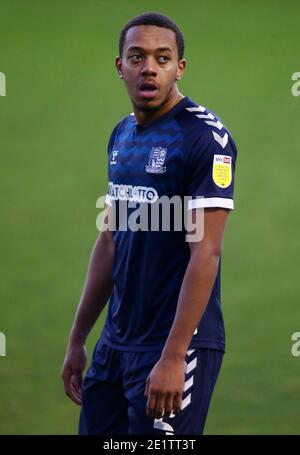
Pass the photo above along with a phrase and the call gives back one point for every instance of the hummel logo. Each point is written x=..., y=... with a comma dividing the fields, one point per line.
x=114, y=157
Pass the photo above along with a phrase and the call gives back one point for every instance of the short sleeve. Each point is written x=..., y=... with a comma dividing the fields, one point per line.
x=210, y=170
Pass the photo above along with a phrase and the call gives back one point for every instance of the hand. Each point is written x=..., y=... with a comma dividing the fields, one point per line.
x=164, y=388
x=74, y=364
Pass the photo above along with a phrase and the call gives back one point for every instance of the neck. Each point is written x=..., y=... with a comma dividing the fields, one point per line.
x=148, y=116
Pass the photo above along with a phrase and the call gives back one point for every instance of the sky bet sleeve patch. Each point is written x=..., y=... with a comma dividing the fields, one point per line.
x=222, y=174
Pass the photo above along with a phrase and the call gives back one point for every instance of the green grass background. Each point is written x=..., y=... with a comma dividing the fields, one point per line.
x=63, y=99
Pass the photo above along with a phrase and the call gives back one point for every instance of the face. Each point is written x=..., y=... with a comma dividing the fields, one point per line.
x=150, y=66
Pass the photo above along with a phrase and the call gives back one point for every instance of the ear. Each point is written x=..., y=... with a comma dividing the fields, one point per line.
x=180, y=69
x=119, y=67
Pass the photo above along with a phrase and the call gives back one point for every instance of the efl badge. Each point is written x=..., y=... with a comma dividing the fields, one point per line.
x=156, y=161
x=222, y=174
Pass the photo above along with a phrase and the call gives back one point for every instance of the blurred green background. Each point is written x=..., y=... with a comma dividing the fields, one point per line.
x=63, y=99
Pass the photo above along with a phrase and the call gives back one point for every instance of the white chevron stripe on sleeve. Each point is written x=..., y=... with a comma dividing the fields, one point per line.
x=217, y=124
x=210, y=116
x=221, y=140
x=196, y=109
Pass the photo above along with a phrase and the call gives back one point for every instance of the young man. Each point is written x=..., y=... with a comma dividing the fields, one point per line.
x=156, y=363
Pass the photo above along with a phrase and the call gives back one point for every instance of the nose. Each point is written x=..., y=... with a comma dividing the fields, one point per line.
x=149, y=67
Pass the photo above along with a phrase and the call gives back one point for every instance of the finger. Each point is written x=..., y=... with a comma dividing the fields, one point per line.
x=76, y=388
x=66, y=377
x=160, y=405
x=75, y=393
x=169, y=405
x=75, y=396
x=151, y=403
x=77, y=380
x=70, y=391
x=177, y=403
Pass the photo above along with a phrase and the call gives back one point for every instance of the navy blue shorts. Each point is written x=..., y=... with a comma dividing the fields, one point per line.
x=113, y=400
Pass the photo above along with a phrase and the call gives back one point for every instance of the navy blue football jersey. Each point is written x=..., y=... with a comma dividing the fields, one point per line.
x=187, y=152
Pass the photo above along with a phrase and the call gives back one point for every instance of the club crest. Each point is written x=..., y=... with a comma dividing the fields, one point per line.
x=156, y=161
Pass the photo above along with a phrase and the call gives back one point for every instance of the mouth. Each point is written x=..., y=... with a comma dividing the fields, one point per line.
x=148, y=90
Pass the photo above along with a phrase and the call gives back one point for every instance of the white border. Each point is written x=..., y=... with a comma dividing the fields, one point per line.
x=210, y=202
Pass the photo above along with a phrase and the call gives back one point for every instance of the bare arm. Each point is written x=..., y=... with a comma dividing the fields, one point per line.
x=164, y=385
x=197, y=283
x=97, y=290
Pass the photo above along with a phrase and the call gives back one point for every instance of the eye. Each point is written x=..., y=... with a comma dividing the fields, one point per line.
x=135, y=58
x=163, y=59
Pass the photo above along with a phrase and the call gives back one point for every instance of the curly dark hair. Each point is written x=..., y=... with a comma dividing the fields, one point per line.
x=153, y=18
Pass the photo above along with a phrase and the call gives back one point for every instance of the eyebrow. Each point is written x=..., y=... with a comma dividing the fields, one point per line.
x=159, y=49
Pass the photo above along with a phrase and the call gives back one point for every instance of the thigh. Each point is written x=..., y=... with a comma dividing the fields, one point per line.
x=136, y=368
x=201, y=372
x=104, y=406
